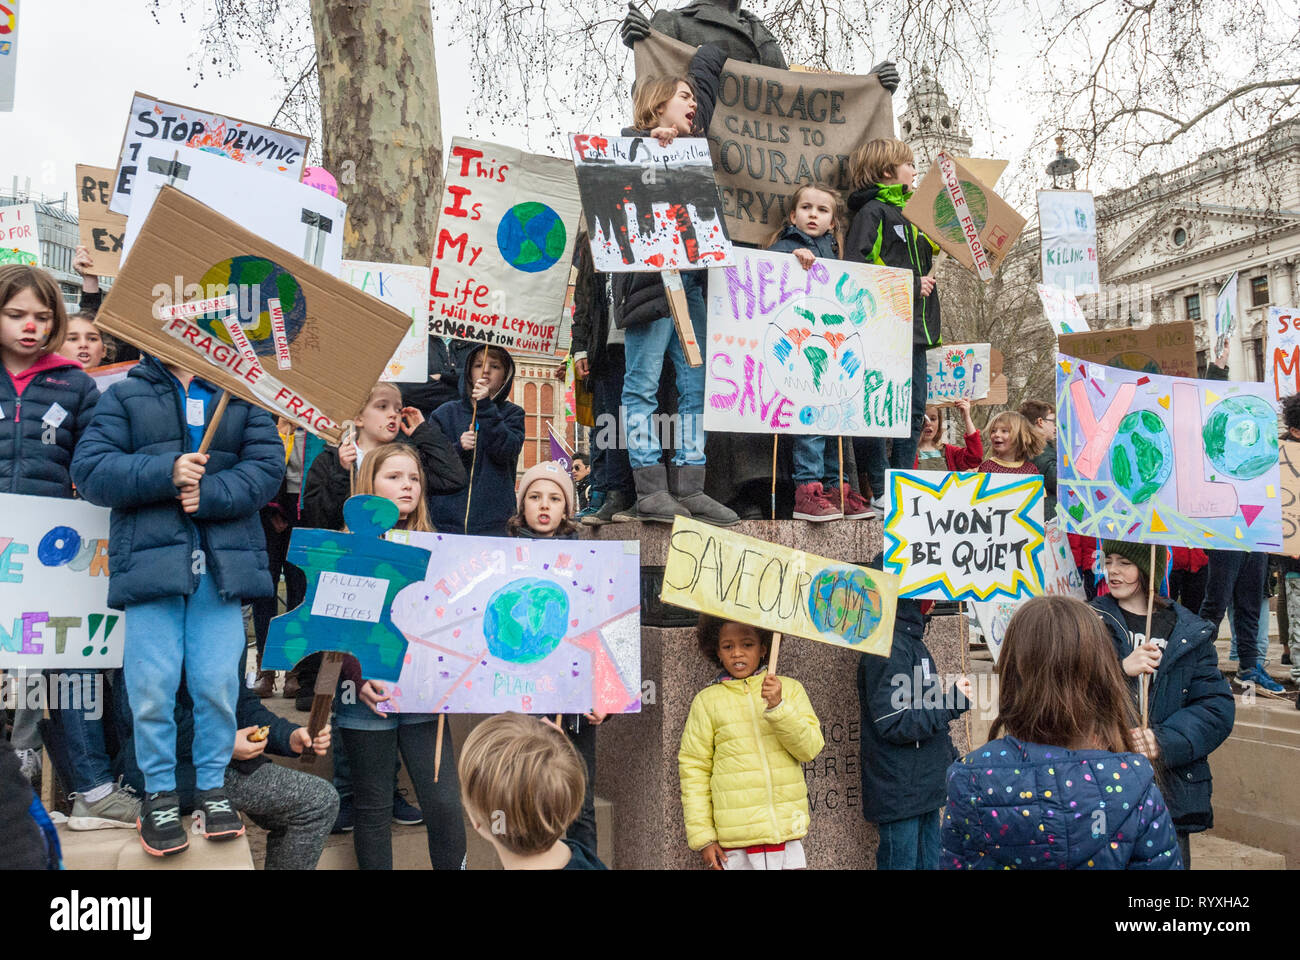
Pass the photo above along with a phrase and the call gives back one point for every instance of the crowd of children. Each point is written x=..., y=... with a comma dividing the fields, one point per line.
x=196, y=535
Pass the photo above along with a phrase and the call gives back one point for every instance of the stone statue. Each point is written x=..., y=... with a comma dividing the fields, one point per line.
x=740, y=34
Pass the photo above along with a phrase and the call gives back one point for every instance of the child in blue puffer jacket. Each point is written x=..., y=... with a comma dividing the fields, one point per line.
x=1063, y=789
x=185, y=549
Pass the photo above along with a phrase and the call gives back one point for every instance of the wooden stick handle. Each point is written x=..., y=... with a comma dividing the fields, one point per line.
x=774, y=655
x=1145, y=683
x=323, y=701
x=775, y=437
x=215, y=422
x=840, y=442
x=437, y=749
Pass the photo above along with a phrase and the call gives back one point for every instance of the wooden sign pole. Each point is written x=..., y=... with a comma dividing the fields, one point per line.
x=437, y=749
x=222, y=402
x=681, y=316
x=774, y=655
x=473, y=459
x=1145, y=683
x=322, y=702
x=774, y=439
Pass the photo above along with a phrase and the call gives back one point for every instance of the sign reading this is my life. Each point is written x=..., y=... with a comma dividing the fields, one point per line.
x=965, y=536
x=825, y=350
x=729, y=575
x=506, y=231
x=277, y=151
x=54, y=585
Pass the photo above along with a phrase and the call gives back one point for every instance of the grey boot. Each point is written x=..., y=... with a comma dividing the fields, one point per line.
x=690, y=494
x=616, y=501
x=653, y=501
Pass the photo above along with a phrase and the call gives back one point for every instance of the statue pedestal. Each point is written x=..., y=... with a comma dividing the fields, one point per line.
x=637, y=753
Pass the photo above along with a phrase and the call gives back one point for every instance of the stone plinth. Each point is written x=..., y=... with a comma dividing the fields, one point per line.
x=637, y=753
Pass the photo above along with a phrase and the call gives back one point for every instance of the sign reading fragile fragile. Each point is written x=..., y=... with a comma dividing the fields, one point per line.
x=202, y=292
x=274, y=150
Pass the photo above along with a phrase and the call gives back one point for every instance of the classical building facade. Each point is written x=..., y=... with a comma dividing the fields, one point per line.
x=929, y=124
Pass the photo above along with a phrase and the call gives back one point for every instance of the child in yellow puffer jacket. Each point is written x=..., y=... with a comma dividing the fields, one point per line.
x=740, y=764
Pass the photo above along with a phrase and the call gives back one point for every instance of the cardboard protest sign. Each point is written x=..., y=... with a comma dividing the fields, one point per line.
x=54, y=585
x=1062, y=309
x=293, y=216
x=19, y=242
x=534, y=626
x=1153, y=459
x=649, y=207
x=963, y=215
x=1282, y=353
x=1164, y=348
x=404, y=288
x=505, y=245
x=275, y=151
x=1288, y=463
x=1225, y=316
x=965, y=536
x=205, y=293
x=820, y=351
x=102, y=231
x=778, y=588
x=958, y=371
x=8, y=53
x=353, y=579
x=1067, y=226
x=776, y=130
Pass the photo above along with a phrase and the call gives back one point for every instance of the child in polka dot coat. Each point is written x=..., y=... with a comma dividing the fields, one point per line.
x=1061, y=789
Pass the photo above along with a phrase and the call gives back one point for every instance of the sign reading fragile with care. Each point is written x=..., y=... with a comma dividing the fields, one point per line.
x=965, y=536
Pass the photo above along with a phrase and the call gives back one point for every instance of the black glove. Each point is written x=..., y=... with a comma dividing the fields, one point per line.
x=636, y=28
x=885, y=71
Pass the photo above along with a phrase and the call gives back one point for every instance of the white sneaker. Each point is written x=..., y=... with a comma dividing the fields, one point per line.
x=120, y=808
x=880, y=506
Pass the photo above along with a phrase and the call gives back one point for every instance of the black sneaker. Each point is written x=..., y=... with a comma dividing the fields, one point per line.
x=159, y=823
x=216, y=815
x=404, y=812
x=344, y=823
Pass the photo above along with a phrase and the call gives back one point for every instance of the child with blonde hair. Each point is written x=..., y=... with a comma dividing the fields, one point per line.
x=1013, y=444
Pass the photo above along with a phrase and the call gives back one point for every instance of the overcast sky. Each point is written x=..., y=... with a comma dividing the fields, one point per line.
x=79, y=65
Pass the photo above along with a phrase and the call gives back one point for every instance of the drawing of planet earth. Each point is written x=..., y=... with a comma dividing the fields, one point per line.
x=256, y=281
x=1142, y=456
x=531, y=237
x=1241, y=437
x=845, y=602
x=1133, y=360
x=945, y=216
x=11, y=255
x=525, y=620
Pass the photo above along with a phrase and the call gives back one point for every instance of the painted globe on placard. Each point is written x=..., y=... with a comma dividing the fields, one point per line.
x=531, y=237
x=11, y=255
x=845, y=601
x=1241, y=437
x=525, y=620
x=1133, y=360
x=256, y=281
x=945, y=215
x=1142, y=456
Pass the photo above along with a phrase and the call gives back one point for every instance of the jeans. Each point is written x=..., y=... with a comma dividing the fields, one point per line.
x=816, y=459
x=644, y=351
x=1185, y=846
x=1236, y=579
x=1261, y=635
x=911, y=844
x=583, y=830
x=204, y=635
x=295, y=583
x=373, y=753
x=1188, y=588
x=81, y=728
x=870, y=451
x=611, y=469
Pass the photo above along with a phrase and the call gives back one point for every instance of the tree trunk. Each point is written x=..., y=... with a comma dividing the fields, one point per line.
x=381, y=131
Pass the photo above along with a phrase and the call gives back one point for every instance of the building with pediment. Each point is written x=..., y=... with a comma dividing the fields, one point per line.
x=1177, y=237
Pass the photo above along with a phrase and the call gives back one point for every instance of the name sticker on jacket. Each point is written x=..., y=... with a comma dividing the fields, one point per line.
x=55, y=415
x=194, y=411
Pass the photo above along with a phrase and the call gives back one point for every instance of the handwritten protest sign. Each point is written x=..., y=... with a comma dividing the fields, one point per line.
x=276, y=151
x=404, y=288
x=963, y=215
x=1288, y=463
x=102, y=231
x=959, y=371
x=1282, y=363
x=1164, y=348
x=204, y=292
x=293, y=216
x=19, y=242
x=820, y=351
x=505, y=244
x=965, y=536
x=1225, y=316
x=799, y=594
x=1067, y=224
x=775, y=130
x=1064, y=314
x=533, y=626
x=649, y=207
x=1153, y=459
x=54, y=585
